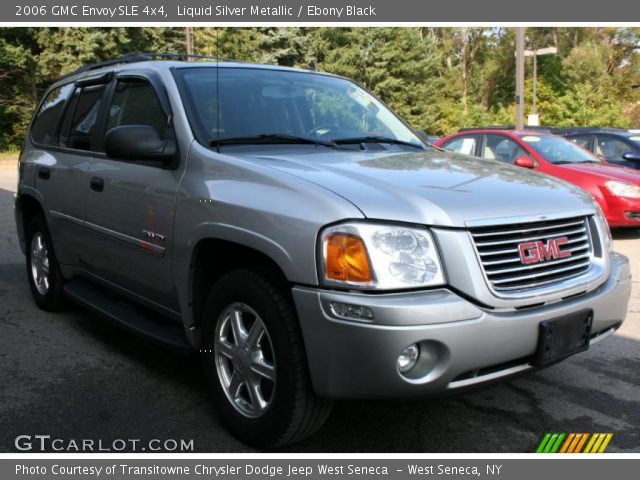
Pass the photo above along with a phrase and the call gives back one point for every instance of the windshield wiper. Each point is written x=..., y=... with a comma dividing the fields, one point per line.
x=565, y=162
x=376, y=139
x=270, y=138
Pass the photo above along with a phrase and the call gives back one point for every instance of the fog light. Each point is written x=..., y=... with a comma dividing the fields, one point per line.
x=408, y=358
x=351, y=312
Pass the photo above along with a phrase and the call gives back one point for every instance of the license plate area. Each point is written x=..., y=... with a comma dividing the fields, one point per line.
x=561, y=337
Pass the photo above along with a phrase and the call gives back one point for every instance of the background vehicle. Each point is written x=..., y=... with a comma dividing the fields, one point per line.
x=297, y=234
x=617, y=146
x=616, y=189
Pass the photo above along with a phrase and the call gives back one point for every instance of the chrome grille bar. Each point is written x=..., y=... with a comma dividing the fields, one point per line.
x=498, y=251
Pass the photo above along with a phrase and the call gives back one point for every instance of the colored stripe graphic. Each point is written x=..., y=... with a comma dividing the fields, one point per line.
x=581, y=443
x=567, y=443
x=606, y=441
x=574, y=443
x=543, y=443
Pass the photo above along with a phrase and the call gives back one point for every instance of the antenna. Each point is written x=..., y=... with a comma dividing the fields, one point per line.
x=218, y=89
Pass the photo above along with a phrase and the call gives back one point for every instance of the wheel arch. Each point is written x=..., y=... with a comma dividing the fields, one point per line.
x=26, y=207
x=212, y=258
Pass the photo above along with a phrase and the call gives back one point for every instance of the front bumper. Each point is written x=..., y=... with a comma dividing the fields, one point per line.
x=473, y=345
x=622, y=212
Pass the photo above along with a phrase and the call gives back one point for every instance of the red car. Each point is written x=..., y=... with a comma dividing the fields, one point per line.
x=616, y=189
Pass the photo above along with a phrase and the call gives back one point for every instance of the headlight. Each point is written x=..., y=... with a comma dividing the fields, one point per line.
x=622, y=189
x=375, y=256
x=604, y=226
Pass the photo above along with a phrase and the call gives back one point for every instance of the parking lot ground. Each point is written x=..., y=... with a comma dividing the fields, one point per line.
x=73, y=376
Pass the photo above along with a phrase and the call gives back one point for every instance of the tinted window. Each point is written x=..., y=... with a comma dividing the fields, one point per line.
x=85, y=117
x=611, y=148
x=63, y=139
x=465, y=145
x=581, y=141
x=45, y=125
x=503, y=149
x=135, y=103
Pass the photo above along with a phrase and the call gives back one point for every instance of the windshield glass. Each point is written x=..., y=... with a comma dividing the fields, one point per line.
x=635, y=139
x=558, y=150
x=254, y=102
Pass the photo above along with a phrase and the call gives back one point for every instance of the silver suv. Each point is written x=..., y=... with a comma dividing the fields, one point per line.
x=294, y=232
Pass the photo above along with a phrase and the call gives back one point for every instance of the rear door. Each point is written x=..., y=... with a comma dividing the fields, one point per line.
x=66, y=142
x=130, y=204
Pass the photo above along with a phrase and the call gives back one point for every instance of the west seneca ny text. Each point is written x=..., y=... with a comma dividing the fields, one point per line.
x=259, y=470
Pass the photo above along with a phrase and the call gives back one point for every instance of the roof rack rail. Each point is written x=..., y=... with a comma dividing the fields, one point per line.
x=141, y=57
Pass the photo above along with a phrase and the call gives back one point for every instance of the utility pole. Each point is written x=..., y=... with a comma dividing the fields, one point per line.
x=535, y=54
x=519, y=78
x=188, y=33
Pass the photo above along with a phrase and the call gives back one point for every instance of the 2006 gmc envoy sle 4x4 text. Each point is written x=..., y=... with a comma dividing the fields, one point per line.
x=295, y=233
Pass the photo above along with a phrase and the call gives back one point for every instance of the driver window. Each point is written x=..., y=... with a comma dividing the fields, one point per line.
x=502, y=149
x=135, y=102
x=611, y=148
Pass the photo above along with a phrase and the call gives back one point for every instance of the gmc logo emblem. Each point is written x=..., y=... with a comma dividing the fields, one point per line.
x=534, y=252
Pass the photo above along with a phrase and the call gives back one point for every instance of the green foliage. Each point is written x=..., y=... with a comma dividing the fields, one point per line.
x=438, y=79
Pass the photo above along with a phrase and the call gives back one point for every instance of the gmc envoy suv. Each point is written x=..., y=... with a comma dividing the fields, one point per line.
x=297, y=235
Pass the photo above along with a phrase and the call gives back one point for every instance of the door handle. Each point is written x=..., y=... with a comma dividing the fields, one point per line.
x=97, y=184
x=44, y=173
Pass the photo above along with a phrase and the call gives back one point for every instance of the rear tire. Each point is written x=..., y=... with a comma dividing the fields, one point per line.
x=277, y=405
x=43, y=271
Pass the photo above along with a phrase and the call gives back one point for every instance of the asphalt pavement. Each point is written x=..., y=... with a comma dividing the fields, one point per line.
x=73, y=376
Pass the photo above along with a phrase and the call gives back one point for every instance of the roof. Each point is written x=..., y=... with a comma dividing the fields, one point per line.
x=168, y=60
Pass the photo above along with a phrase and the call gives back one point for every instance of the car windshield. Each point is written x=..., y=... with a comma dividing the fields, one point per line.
x=558, y=150
x=254, y=105
x=635, y=139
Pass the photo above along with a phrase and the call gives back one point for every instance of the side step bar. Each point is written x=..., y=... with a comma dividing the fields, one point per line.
x=128, y=315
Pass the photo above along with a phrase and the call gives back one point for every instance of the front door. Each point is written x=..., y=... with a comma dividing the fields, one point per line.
x=130, y=205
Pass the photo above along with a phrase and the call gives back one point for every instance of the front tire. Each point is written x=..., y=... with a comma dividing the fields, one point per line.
x=254, y=361
x=43, y=271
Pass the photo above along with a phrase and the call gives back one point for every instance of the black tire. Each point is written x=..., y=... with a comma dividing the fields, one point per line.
x=53, y=298
x=294, y=412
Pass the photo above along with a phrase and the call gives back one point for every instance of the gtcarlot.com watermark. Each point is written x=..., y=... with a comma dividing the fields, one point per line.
x=47, y=443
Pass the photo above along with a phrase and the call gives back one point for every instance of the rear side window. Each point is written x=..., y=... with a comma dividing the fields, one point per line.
x=44, y=130
x=84, y=117
x=135, y=102
x=466, y=145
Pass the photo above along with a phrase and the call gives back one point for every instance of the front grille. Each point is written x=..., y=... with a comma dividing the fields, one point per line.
x=497, y=247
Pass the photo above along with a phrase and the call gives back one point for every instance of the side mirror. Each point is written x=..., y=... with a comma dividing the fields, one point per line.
x=631, y=156
x=138, y=142
x=526, y=162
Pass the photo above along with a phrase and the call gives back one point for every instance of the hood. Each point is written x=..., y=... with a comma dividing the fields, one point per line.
x=429, y=187
x=606, y=171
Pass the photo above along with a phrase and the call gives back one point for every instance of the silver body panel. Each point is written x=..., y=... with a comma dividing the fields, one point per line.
x=140, y=234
